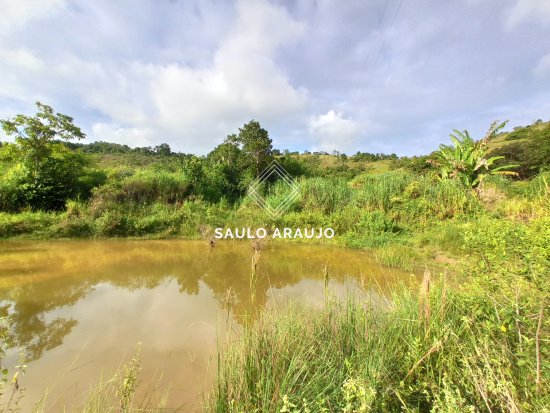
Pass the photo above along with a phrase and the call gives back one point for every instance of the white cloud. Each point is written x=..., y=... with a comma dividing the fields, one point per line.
x=16, y=14
x=16, y=65
x=542, y=69
x=528, y=10
x=193, y=108
x=332, y=131
x=243, y=82
x=190, y=72
x=124, y=135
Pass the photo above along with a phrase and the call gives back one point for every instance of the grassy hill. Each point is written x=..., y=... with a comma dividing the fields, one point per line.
x=524, y=145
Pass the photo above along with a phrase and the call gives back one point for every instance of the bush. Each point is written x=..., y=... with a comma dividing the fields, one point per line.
x=54, y=181
x=90, y=179
x=379, y=191
x=506, y=248
x=532, y=153
x=144, y=187
x=114, y=223
x=74, y=227
x=25, y=223
x=11, y=197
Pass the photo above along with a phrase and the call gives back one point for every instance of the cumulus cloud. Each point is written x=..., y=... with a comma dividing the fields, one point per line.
x=17, y=14
x=542, y=69
x=332, y=131
x=192, y=107
x=526, y=11
x=243, y=82
x=371, y=76
x=125, y=135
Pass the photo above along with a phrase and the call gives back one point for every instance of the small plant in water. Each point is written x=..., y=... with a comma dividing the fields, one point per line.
x=254, y=273
x=128, y=386
x=11, y=391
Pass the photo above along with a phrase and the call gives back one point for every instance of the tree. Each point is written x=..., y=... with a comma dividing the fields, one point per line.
x=35, y=134
x=466, y=158
x=256, y=145
x=227, y=153
x=163, y=149
x=44, y=173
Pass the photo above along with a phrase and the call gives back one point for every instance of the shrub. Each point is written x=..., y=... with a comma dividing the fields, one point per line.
x=144, y=187
x=113, y=223
x=12, y=199
x=74, y=227
x=90, y=179
x=25, y=223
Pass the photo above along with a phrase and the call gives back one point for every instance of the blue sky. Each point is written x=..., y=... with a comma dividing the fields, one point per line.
x=371, y=75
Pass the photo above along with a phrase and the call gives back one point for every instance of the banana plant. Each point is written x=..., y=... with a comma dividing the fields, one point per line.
x=466, y=158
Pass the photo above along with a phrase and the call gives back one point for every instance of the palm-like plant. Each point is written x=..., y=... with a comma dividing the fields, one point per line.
x=466, y=158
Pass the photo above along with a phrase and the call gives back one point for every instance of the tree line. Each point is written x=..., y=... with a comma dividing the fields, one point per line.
x=46, y=165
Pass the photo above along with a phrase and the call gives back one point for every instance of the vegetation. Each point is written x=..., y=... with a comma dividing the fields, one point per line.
x=467, y=161
x=117, y=393
x=439, y=350
x=474, y=340
x=481, y=346
x=528, y=147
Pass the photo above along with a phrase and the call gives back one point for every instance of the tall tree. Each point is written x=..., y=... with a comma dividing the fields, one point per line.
x=256, y=144
x=163, y=149
x=45, y=172
x=35, y=134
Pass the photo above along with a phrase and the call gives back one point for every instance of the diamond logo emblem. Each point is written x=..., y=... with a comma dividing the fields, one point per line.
x=274, y=169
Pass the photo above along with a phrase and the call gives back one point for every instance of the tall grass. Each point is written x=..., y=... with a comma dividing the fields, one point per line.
x=26, y=222
x=379, y=191
x=145, y=186
x=413, y=197
x=324, y=194
x=115, y=393
x=437, y=350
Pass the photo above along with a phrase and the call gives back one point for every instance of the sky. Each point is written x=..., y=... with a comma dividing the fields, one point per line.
x=391, y=76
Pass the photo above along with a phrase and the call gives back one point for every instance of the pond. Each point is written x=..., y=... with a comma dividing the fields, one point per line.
x=80, y=307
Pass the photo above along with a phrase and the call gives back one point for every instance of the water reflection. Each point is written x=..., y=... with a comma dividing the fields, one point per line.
x=98, y=298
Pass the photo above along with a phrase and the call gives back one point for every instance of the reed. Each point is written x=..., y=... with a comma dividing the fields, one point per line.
x=436, y=350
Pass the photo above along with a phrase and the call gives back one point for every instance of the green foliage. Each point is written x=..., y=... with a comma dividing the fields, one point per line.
x=89, y=179
x=418, y=164
x=255, y=144
x=438, y=350
x=55, y=180
x=532, y=153
x=372, y=229
x=371, y=157
x=44, y=173
x=466, y=159
x=508, y=249
x=326, y=195
x=34, y=134
x=143, y=187
x=48, y=187
x=25, y=223
x=297, y=166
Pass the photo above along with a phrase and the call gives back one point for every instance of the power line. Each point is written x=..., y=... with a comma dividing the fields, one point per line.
x=377, y=29
x=384, y=38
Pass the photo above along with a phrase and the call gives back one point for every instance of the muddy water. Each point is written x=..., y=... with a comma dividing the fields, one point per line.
x=79, y=308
